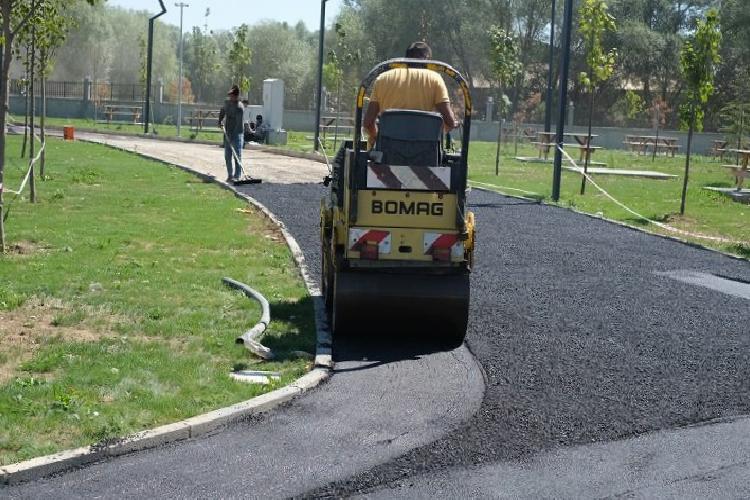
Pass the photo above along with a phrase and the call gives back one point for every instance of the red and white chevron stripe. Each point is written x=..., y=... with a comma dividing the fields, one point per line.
x=408, y=178
x=435, y=243
x=360, y=237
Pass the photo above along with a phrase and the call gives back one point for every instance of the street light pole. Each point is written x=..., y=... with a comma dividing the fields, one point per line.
x=564, y=76
x=321, y=48
x=149, y=64
x=550, y=80
x=181, y=5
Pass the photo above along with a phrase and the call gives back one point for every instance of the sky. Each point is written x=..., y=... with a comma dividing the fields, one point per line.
x=226, y=14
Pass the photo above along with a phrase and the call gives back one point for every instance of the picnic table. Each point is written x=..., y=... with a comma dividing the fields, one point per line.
x=199, y=117
x=640, y=144
x=719, y=148
x=115, y=110
x=740, y=172
x=547, y=140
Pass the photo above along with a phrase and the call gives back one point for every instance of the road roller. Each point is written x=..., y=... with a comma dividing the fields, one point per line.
x=397, y=238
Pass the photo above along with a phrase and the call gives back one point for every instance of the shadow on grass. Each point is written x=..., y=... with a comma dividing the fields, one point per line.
x=637, y=221
x=741, y=250
x=299, y=332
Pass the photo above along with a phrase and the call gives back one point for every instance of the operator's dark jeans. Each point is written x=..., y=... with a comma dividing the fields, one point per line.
x=235, y=141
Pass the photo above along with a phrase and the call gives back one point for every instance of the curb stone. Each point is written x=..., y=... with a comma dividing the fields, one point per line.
x=200, y=425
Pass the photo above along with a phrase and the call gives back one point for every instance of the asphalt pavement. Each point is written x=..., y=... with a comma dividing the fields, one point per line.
x=583, y=333
x=584, y=339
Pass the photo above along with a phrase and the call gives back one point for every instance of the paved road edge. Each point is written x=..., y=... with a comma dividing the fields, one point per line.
x=209, y=422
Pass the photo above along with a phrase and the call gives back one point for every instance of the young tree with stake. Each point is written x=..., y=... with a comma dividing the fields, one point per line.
x=594, y=22
x=16, y=20
x=506, y=65
x=699, y=60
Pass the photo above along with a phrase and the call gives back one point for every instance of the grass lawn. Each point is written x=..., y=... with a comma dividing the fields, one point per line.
x=113, y=317
x=707, y=213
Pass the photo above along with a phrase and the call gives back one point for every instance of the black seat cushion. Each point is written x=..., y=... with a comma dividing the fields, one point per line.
x=412, y=138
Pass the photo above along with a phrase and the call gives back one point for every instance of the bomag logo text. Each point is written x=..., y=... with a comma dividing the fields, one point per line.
x=407, y=208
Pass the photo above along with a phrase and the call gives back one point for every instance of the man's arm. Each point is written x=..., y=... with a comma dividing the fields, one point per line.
x=444, y=108
x=222, y=114
x=373, y=110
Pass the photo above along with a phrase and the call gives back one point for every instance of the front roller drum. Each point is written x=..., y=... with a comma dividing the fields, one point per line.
x=367, y=302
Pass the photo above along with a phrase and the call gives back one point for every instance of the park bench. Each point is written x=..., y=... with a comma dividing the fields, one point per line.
x=669, y=149
x=584, y=150
x=112, y=111
x=739, y=173
x=202, y=117
x=719, y=149
x=636, y=145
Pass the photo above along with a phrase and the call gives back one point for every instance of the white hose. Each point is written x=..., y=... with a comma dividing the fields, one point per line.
x=251, y=338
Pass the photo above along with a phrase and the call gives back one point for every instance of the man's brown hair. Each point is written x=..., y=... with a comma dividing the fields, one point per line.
x=419, y=50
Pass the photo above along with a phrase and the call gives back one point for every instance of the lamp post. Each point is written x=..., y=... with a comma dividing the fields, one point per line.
x=149, y=64
x=564, y=76
x=181, y=5
x=321, y=48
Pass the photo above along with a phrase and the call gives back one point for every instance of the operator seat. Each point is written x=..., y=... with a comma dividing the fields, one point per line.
x=410, y=138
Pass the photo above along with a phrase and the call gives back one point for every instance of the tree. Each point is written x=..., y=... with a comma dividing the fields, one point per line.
x=505, y=67
x=594, y=23
x=239, y=58
x=17, y=18
x=201, y=62
x=698, y=61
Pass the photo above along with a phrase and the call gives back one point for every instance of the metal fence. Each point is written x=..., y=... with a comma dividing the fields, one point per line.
x=98, y=91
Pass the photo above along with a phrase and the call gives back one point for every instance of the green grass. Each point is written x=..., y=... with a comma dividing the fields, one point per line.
x=707, y=213
x=114, y=280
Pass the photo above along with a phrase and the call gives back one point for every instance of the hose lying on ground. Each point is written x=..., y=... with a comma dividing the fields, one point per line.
x=251, y=338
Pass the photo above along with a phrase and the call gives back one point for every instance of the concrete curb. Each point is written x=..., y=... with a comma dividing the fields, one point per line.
x=209, y=422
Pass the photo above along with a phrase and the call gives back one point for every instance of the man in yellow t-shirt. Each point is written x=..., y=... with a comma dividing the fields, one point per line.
x=404, y=88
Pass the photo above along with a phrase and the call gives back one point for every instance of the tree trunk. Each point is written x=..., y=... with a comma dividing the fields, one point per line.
x=42, y=122
x=5, y=8
x=32, y=111
x=587, y=152
x=499, y=132
x=26, y=115
x=687, y=159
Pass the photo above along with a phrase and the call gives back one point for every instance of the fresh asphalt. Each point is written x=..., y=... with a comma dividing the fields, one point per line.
x=581, y=329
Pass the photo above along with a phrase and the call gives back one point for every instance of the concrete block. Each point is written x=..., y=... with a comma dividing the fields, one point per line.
x=312, y=379
x=150, y=439
x=48, y=465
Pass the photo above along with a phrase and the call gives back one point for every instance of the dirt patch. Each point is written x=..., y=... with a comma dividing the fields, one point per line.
x=269, y=230
x=25, y=329
x=26, y=248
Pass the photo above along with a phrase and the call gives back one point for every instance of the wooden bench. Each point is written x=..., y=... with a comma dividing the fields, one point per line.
x=739, y=173
x=115, y=110
x=718, y=149
x=199, y=117
x=544, y=148
x=669, y=149
x=584, y=150
x=638, y=147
